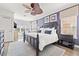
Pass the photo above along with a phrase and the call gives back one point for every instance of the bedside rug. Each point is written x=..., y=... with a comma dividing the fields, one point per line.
x=24, y=49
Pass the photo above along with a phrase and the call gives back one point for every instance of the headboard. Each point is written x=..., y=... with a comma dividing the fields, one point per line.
x=51, y=25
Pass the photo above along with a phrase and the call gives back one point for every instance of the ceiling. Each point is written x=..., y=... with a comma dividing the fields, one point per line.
x=48, y=8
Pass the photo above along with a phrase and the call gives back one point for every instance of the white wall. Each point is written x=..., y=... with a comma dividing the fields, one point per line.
x=6, y=13
x=34, y=26
x=24, y=24
x=6, y=24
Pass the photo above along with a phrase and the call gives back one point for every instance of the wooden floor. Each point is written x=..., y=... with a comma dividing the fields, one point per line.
x=68, y=52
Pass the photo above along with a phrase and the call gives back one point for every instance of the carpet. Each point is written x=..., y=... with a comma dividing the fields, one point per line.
x=24, y=49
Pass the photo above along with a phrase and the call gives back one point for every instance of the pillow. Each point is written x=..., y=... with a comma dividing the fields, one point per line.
x=42, y=30
x=53, y=30
x=48, y=32
x=49, y=29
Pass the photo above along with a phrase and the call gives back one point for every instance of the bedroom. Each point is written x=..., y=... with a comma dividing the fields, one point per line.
x=54, y=30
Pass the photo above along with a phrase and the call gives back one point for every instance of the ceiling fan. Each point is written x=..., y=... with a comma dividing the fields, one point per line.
x=34, y=8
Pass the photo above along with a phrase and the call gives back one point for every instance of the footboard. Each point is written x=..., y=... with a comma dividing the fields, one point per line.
x=34, y=42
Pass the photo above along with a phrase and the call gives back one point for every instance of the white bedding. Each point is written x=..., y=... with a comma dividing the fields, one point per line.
x=44, y=39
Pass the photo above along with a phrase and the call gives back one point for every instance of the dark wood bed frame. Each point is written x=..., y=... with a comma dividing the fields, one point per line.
x=35, y=41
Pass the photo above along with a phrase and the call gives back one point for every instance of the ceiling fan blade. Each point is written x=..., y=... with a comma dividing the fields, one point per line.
x=27, y=11
x=34, y=9
x=26, y=6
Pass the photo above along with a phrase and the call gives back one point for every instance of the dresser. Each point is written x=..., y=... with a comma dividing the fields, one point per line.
x=66, y=40
x=1, y=43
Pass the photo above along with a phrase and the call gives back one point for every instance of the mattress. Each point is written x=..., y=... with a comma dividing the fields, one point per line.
x=32, y=34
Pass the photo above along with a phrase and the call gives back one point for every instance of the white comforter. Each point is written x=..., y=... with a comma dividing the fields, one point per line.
x=44, y=39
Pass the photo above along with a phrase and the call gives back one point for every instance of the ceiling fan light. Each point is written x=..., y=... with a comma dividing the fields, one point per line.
x=33, y=13
x=36, y=11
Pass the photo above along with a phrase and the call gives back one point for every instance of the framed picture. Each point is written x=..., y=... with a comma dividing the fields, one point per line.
x=53, y=18
x=40, y=22
x=46, y=19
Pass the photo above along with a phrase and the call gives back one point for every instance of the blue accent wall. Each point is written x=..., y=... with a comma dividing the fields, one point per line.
x=59, y=22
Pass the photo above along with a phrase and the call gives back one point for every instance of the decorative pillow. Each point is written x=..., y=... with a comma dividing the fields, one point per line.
x=53, y=31
x=49, y=29
x=47, y=32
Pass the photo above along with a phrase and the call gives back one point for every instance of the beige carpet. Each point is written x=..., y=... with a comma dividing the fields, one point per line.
x=24, y=49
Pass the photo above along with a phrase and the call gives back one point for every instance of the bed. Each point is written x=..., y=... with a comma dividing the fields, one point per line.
x=41, y=39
